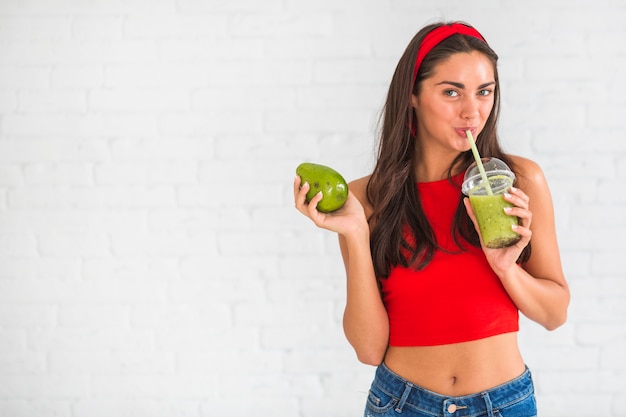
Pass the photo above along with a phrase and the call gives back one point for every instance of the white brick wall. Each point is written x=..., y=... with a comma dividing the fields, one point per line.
x=151, y=261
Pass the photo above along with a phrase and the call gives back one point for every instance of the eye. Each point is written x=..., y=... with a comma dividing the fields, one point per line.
x=450, y=93
x=485, y=92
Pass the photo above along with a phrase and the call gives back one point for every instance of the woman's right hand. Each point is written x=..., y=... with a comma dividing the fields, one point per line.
x=349, y=218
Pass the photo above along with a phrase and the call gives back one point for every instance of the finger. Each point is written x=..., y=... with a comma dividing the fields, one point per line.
x=318, y=217
x=313, y=204
x=525, y=216
x=525, y=234
x=517, y=197
x=519, y=193
x=515, y=200
x=522, y=231
x=301, y=197
x=296, y=184
x=296, y=188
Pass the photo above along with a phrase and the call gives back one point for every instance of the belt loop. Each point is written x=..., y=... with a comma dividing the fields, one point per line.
x=405, y=395
x=488, y=404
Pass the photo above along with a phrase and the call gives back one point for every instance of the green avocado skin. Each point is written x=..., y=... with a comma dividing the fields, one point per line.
x=325, y=179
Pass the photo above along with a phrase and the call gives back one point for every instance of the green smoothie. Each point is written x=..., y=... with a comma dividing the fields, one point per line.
x=486, y=193
x=493, y=222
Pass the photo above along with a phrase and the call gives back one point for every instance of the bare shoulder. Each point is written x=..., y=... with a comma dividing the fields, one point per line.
x=529, y=174
x=358, y=188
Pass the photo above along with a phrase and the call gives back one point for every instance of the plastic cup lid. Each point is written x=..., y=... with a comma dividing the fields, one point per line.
x=494, y=167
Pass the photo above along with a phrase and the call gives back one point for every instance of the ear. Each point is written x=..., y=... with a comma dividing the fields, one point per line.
x=414, y=101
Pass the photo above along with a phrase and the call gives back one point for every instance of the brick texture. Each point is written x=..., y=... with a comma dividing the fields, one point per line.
x=151, y=261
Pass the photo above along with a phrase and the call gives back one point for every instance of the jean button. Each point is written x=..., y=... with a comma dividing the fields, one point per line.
x=451, y=408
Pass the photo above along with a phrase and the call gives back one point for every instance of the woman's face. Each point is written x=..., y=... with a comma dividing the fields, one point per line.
x=458, y=97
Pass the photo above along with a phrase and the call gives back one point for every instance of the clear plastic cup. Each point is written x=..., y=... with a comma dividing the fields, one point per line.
x=494, y=224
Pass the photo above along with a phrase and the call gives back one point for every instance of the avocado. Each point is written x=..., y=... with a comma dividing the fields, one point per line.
x=325, y=179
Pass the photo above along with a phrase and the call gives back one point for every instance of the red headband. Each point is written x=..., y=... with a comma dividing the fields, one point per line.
x=435, y=36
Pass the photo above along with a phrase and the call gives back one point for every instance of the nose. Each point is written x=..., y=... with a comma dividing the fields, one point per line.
x=469, y=108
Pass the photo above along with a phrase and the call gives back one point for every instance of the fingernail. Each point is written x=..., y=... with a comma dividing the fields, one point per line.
x=513, y=189
x=508, y=209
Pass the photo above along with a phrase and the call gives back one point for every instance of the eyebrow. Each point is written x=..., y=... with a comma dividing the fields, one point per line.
x=462, y=86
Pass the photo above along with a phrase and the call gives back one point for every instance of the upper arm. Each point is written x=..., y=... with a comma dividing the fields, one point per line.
x=545, y=259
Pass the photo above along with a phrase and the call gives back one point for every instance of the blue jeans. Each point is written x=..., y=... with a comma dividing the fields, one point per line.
x=391, y=395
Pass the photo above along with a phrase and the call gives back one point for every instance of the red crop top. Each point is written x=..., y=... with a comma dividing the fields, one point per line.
x=457, y=297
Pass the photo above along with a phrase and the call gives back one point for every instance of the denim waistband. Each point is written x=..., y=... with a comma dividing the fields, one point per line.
x=430, y=402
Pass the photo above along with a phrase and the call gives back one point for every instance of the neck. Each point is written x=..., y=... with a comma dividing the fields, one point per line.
x=428, y=168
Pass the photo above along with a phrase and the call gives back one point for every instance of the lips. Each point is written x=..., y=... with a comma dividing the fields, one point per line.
x=461, y=130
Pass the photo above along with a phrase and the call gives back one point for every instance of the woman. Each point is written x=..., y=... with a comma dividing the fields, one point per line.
x=427, y=303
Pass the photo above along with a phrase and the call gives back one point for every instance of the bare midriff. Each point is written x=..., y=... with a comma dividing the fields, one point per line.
x=461, y=368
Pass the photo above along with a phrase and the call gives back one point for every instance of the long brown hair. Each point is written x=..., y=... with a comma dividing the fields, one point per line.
x=392, y=189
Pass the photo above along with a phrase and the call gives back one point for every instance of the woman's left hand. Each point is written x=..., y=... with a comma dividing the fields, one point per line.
x=503, y=259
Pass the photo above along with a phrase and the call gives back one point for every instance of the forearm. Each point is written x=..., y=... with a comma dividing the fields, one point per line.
x=542, y=300
x=365, y=320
